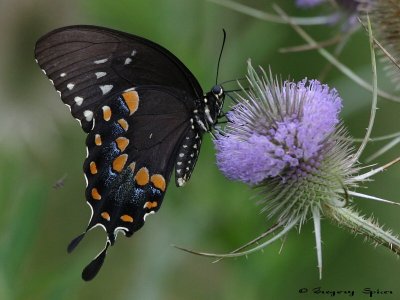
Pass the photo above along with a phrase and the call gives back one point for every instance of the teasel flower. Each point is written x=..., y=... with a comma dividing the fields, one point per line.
x=286, y=139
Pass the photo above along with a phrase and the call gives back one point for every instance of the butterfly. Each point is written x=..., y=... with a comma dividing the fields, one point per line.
x=144, y=114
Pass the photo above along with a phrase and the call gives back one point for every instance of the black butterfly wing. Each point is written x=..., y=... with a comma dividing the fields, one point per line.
x=136, y=101
x=89, y=64
x=131, y=154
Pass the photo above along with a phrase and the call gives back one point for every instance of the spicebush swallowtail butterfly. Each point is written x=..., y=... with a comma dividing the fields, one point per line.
x=144, y=114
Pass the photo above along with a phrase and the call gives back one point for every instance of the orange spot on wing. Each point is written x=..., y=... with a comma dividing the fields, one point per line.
x=122, y=143
x=93, y=167
x=97, y=140
x=150, y=205
x=105, y=215
x=142, y=176
x=132, y=101
x=159, y=181
x=106, y=113
x=127, y=218
x=95, y=194
x=119, y=162
x=124, y=124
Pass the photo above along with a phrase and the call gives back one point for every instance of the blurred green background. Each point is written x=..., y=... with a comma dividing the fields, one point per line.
x=40, y=143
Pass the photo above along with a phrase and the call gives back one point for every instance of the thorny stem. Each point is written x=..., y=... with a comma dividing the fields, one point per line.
x=375, y=171
x=286, y=228
x=317, y=231
x=346, y=217
x=260, y=237
x=374, y=95
x=383, y=49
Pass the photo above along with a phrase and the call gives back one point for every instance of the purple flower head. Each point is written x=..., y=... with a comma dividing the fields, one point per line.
x=287, y=140
x=282, y=135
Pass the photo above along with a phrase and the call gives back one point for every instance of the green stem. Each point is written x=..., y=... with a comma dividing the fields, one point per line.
x=350, y=219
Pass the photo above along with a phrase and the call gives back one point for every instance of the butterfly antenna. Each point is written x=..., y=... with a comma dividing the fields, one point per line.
x=220, y=54
x=231, y=80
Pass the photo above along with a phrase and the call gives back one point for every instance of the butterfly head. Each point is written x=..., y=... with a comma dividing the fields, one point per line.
x=209, y=110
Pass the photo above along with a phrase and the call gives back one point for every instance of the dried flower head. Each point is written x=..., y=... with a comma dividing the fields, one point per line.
x=287, y=140
x=384, y=15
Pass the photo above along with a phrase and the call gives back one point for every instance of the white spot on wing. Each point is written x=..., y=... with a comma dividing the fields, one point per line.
x=88, y=115
x=100, y=74
x=44, y=72
x=106, y=88
x=100, y=61
x=148, y=214
x=128, y=61
x=120, y=229
x=70, y=86
x=78, y=100
x=133, y=53
x=86, y=180
x=181, y=181
x=59, y=93
x=63, y=74
x=51, y=81
x=69, y=107
x=181, y=154
x=130, y=89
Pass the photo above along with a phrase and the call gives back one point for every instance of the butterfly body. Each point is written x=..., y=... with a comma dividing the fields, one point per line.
x=144, y=113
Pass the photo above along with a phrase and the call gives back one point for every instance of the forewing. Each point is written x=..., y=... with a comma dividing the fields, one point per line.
x=89, y=64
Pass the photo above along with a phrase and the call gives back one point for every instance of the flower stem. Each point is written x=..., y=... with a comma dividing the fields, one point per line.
x=374, y=95
x=350, y=219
